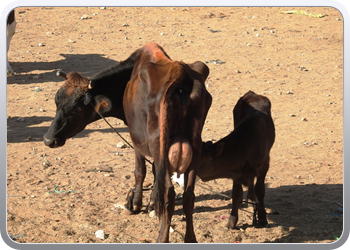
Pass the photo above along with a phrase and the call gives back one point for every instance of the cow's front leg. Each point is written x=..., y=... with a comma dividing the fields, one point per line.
x=140, y=174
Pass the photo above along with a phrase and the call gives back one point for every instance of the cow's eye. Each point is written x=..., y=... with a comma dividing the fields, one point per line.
x=77, y=110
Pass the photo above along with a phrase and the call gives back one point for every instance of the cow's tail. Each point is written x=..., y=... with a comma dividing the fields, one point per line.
x=163, y=168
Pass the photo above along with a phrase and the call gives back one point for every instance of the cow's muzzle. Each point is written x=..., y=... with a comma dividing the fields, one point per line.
x=53, y=143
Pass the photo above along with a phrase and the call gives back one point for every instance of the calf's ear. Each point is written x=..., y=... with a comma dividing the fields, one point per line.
x=219, y=148
x=102, y=104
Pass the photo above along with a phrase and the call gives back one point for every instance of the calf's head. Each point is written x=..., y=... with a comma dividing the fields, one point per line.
x=76, y=107
x=210, y=160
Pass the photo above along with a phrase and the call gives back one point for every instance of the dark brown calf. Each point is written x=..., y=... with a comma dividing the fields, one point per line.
x=243, y=155
x=165, y=105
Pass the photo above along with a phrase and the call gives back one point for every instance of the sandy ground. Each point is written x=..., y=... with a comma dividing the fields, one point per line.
x=67, y=194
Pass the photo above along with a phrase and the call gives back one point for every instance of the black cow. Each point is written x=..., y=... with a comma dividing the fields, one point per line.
x=79, y=99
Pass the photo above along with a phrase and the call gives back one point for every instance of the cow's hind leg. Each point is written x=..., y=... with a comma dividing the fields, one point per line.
x=237, y=193
x=188, y=205
x=152, y=198
x=168, y=210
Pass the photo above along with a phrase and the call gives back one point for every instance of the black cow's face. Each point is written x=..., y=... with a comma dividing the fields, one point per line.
x=73, y=113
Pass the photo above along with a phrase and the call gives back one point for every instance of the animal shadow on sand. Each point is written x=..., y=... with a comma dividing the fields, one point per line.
x=25, y=129
x=294, y=209
x=85, y=64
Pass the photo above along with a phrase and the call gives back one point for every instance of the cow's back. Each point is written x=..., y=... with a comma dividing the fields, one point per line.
x=255, y=111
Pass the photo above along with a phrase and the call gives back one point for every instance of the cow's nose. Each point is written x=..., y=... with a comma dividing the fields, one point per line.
x=49, y=142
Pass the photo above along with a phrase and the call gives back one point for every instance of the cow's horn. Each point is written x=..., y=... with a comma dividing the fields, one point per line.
x=61, y=74
x=91, y=84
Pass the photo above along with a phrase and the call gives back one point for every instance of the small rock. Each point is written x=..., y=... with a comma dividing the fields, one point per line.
x=41, y=45
x=152, y=214
x=100, y=234
x=125, y=25
x=119, y=206
x=304, y=119
x=36, y=89
x=171, y=230
x=84, y=17
x=122, y=145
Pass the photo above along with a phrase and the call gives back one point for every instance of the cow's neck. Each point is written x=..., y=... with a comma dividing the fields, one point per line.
x=111, y=83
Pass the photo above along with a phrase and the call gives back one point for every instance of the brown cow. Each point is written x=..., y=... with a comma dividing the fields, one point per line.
x=165, y=105
x=243, y=155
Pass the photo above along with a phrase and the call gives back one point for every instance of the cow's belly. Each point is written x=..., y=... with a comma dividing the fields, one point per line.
x=180, y=156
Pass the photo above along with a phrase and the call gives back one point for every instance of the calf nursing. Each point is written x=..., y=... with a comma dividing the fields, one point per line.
x=243, y=155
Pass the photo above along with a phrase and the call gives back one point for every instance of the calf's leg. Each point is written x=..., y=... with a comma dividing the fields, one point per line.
x=251, y=194
x=259, y=190
x=237, y=193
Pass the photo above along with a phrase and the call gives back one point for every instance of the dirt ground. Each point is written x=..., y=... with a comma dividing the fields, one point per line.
x=69, y=193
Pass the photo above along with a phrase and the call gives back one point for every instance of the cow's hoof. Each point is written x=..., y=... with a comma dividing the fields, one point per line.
x=127, y=212
x=150, y=206
x=133, y=209
x=232, y=222
x=129, y=200
x=191, y=241
x=260, y=224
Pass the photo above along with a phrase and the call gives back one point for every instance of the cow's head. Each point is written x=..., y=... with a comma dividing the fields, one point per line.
x=76, y=107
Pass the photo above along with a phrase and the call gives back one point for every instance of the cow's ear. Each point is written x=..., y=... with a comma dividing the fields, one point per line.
x=219, y=148
x=201, y=69
x=102, y=104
